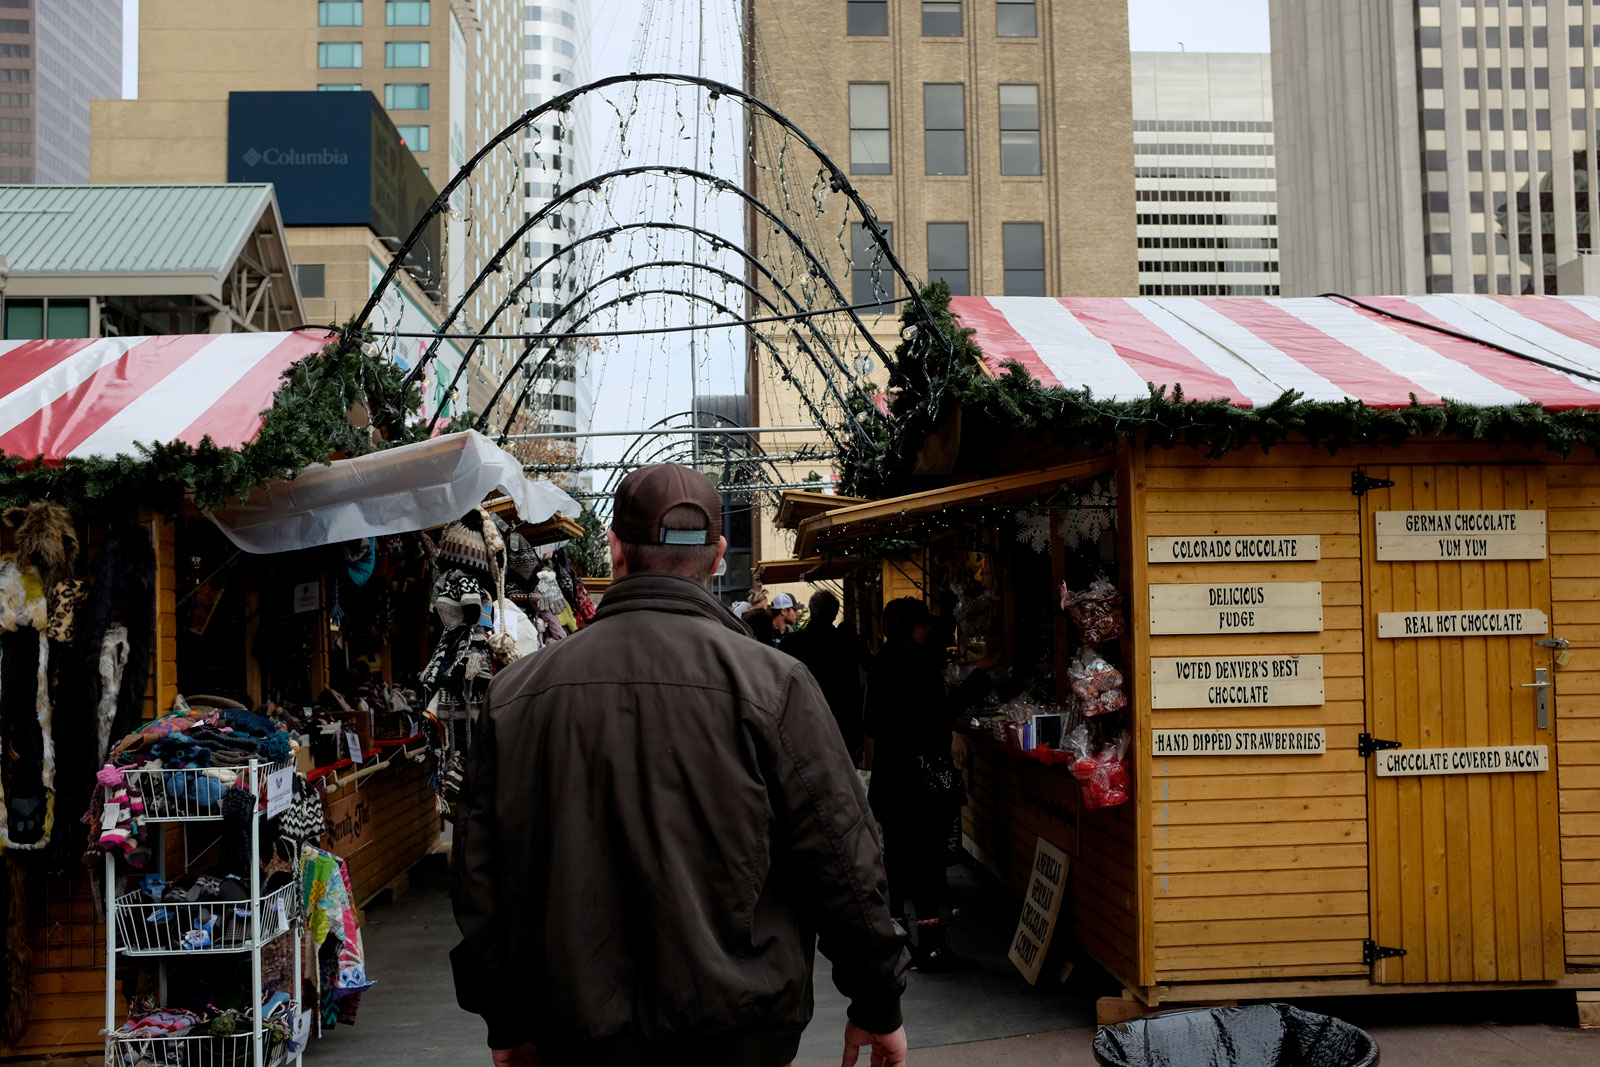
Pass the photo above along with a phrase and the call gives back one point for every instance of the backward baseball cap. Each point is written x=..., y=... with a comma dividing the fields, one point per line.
x=647, y=496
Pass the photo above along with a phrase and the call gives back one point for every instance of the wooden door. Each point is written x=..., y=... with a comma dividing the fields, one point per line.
x=1465, y=872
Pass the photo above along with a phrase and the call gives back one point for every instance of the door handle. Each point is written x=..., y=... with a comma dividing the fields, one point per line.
x=1541, y=694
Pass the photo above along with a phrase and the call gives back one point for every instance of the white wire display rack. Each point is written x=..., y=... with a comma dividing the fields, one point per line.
x=160, y=931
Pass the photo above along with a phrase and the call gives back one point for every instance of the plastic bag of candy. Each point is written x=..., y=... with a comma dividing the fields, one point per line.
x=1095, y=611
x=1096, y=683
x=1103, y=776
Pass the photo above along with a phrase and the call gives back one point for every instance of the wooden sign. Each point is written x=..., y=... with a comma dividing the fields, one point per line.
x=1041, y=905
x=1281, y=742
x=1498, y=759
x=1236, y=608
x=349, y=821
x=1508, y=623
x=1234, y=548
x=1235, y=681
x=1461, y=536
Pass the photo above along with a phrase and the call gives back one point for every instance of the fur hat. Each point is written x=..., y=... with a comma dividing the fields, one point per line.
x=45, y=538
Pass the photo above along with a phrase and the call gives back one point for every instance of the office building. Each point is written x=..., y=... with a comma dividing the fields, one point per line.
x=1203, y=174
x=1428, y=146
x=55, y=57
x=445, y=73
x=993, y=138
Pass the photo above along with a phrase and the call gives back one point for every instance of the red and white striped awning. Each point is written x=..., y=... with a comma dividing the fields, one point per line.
x=97, y=397
x=1251, y=350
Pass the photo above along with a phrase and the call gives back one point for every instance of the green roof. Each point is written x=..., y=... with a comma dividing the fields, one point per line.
x=59, y=230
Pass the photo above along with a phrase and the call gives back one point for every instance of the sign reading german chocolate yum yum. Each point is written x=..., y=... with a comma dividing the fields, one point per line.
x=1510, y=623
x=1234, y=548
x=1236, y=608
x=1460, y=536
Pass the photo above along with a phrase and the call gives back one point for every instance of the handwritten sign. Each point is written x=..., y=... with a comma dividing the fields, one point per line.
x=1236, y=608
x=1268, y=742
x=1235, y=681
x=1040, y=908
x=1498, y=759
x=1508, y=623
x=1234, y=548
x=1461, y=536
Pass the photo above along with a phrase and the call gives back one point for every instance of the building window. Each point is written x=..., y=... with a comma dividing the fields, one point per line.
x=32, y=320
x=339, y=87
x=24, y=320
x=415, y=137
x=406, y=13
x=405, y=54
x=947, y=256
x=945, y=118
x=339, y=12
x=941, y=18
x=406, y=96
x=335, y=54
x=1019, y=129
x=13, y=25
x=869, y=128
x=867, y=18
x=15, y=51
x=1023, y=252
x=871, y=279
x=1016, y=18
x=313, y=279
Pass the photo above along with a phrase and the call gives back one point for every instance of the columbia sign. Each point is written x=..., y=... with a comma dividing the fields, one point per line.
x=280, y=157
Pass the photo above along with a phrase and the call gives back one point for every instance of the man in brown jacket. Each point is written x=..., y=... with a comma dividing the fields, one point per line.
x=660, y=824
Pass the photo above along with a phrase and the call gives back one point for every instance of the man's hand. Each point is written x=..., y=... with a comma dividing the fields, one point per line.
x=888, y=1050
x=524, y=1055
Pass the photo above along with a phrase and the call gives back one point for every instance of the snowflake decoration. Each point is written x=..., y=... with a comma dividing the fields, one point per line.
x=1091, y=515
x=1033, y=529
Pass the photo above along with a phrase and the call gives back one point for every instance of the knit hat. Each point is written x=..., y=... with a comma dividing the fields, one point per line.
x=463, y=548
x=522, y=559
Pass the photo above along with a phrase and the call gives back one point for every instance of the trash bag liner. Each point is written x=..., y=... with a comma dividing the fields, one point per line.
x=1260, y=1035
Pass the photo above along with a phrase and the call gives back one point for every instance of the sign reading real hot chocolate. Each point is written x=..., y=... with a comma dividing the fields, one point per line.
x=1234, y=548
x=1460, y=536
x=1500, y=623
x=1235, y=681
x=1236, y=608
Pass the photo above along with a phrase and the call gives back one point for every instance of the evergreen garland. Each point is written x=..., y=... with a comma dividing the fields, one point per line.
x=308, y=423
x=932, y=378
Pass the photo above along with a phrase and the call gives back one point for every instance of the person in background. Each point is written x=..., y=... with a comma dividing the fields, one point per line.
x=660, y=827
x=759, y=622
x=916, y=791
x=833, y=655
x=738, y=608
x=785, y=613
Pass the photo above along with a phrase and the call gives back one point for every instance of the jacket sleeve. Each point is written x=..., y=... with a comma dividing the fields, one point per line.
x=474, y=892
x=835, y=852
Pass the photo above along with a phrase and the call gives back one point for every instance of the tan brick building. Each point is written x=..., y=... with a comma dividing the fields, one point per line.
x=993, y=137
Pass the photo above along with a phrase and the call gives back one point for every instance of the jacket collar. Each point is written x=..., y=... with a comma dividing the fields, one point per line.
x=668, y=593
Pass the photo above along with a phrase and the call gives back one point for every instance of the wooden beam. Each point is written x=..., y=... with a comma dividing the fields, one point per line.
x=811, y=569
x=797, y=505
x=861, y=520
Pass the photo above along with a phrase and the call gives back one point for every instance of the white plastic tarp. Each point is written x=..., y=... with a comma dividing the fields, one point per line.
x=398, y=490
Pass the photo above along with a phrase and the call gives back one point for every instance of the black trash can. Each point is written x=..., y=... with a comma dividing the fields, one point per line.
x=1261, y=1035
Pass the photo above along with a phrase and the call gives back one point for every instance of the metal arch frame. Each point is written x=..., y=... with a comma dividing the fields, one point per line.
x=717, y=242
x=641, y=294
x=635, y=455
x=716, y=183
x=626, y=274
x=562, y=103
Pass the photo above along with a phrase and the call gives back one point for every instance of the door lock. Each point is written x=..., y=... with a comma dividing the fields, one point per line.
x=1562, y=646
x=1541, y=692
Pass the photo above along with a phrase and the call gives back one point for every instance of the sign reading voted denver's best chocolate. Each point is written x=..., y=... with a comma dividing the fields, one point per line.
x=1496, y=623
x=1235, y=681
x=1460, y=536
x=1236, y=608
x=1234, y=548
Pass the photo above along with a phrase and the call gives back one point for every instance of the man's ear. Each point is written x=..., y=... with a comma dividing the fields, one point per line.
x=722, y=550
x=619, y=566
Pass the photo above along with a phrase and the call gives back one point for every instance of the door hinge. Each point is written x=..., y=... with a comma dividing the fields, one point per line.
x=1360, y=483
x=1372, y=952
x=1367, y=745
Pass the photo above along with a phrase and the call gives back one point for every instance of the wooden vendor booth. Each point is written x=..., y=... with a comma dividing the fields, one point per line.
x=1329, y=573
x=244, y=579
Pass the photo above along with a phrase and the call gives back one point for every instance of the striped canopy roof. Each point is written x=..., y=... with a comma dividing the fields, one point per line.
x=1251, y=350
x=97, y=397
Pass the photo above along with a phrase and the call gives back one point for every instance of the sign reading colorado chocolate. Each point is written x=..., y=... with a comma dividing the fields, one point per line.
x=1235, y=681
x=1238, y=742
x=1407, y=762
x=1461, y=536
x=1236, y=608
x=1234, y=548
x=1462, y=623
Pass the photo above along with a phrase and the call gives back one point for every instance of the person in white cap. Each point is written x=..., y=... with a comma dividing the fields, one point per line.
x=785, y=613
x=739, y=608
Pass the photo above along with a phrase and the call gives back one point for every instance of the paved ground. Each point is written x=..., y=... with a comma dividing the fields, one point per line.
x=990, y=1018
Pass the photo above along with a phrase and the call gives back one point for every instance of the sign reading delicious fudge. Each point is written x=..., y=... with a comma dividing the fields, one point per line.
x=1236, y=608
